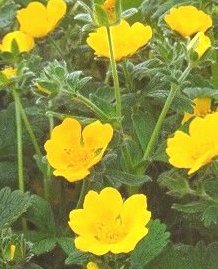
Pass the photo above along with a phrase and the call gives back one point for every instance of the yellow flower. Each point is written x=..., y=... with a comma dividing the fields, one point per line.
x=200, y=44
x=108, y=224
x=38, y=20
x=12, y=252
x=71, y=153
x=25, y=42
x=126, y=39
x=202, y=106
x=9, y=72
x=92, y=265
x=197, y=148
x=188, y=20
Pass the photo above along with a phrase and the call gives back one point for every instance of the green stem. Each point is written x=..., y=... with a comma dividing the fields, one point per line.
x=29, y=129
x=92, y=106
x=83, y=191
x=47, y=179
x=58, y=49
x=129, y=82
x=19, y=142
x=115, y=74
x=173, y=91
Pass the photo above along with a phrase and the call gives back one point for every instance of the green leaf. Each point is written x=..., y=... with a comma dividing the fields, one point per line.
x=191, y=208
x=101, y=15
x=41, y=214
x=44, y=246
x=211, y=189
x=77, y=257
x=150, y=246
x=143, y=124
x=176, y=183
x=187, y=257
x=195, y=92
x=126, y=178
x=210, y=215
x=8, y=173
x=12, y=206
x=67, y=244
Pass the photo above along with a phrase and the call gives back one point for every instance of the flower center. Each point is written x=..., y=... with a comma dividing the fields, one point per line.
x=110, y=232
x=81, y=156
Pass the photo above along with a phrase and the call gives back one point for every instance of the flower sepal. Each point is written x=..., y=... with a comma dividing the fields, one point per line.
x=107, y=13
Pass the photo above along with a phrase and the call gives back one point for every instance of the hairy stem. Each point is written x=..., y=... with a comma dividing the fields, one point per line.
x=173, y=91
x=114, y=74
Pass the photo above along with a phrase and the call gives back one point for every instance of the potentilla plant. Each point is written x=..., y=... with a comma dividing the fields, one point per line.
x=108, y=145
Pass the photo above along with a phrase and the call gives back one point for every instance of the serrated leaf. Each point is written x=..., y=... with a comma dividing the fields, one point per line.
x=37, y=212
x=150, y=246
x=44, y=246
x=187, y=257
x=210, y=215
x=211, y=189
x=12, y=205
x=175, y=182
x=143, y=124
x=77, y=257
x=126, y=178
x=67, y=244
x=191, y=208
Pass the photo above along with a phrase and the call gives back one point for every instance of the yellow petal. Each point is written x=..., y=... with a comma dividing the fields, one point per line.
x=126, y=39
x=56, y=9
x=130, y=241
x=204, y=159
x=91, y=245
x=134, y=212
x=33, y=19
x=25, y=42
x=200, y=44
x=179, y=20
x=72, y=175
x=97, y=204
x=179, y=149
x=68, y=133
x=97, y=135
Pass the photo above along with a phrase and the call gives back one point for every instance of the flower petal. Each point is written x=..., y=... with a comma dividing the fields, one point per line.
x=33, y=19
x=97, y=135
x=56, y=9
x=179, y=149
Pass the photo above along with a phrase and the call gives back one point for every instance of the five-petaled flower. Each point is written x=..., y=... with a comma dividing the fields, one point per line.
x=108, y=224
x=198, y=147
x=200, y=43
x=127, y=40
x=38, y=20
x=201, y=107
x=188, y=20
x=24, y=42
x=72, y=152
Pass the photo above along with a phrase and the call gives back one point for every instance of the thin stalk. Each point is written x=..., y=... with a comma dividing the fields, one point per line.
x=47, y=179
x=173, y=91
x=129, y=82
x=29, y=128
x=19, y=142
x=92, y=106
x=115, y=74
x=83, y=191
x=21, y=182
x=56, y=46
